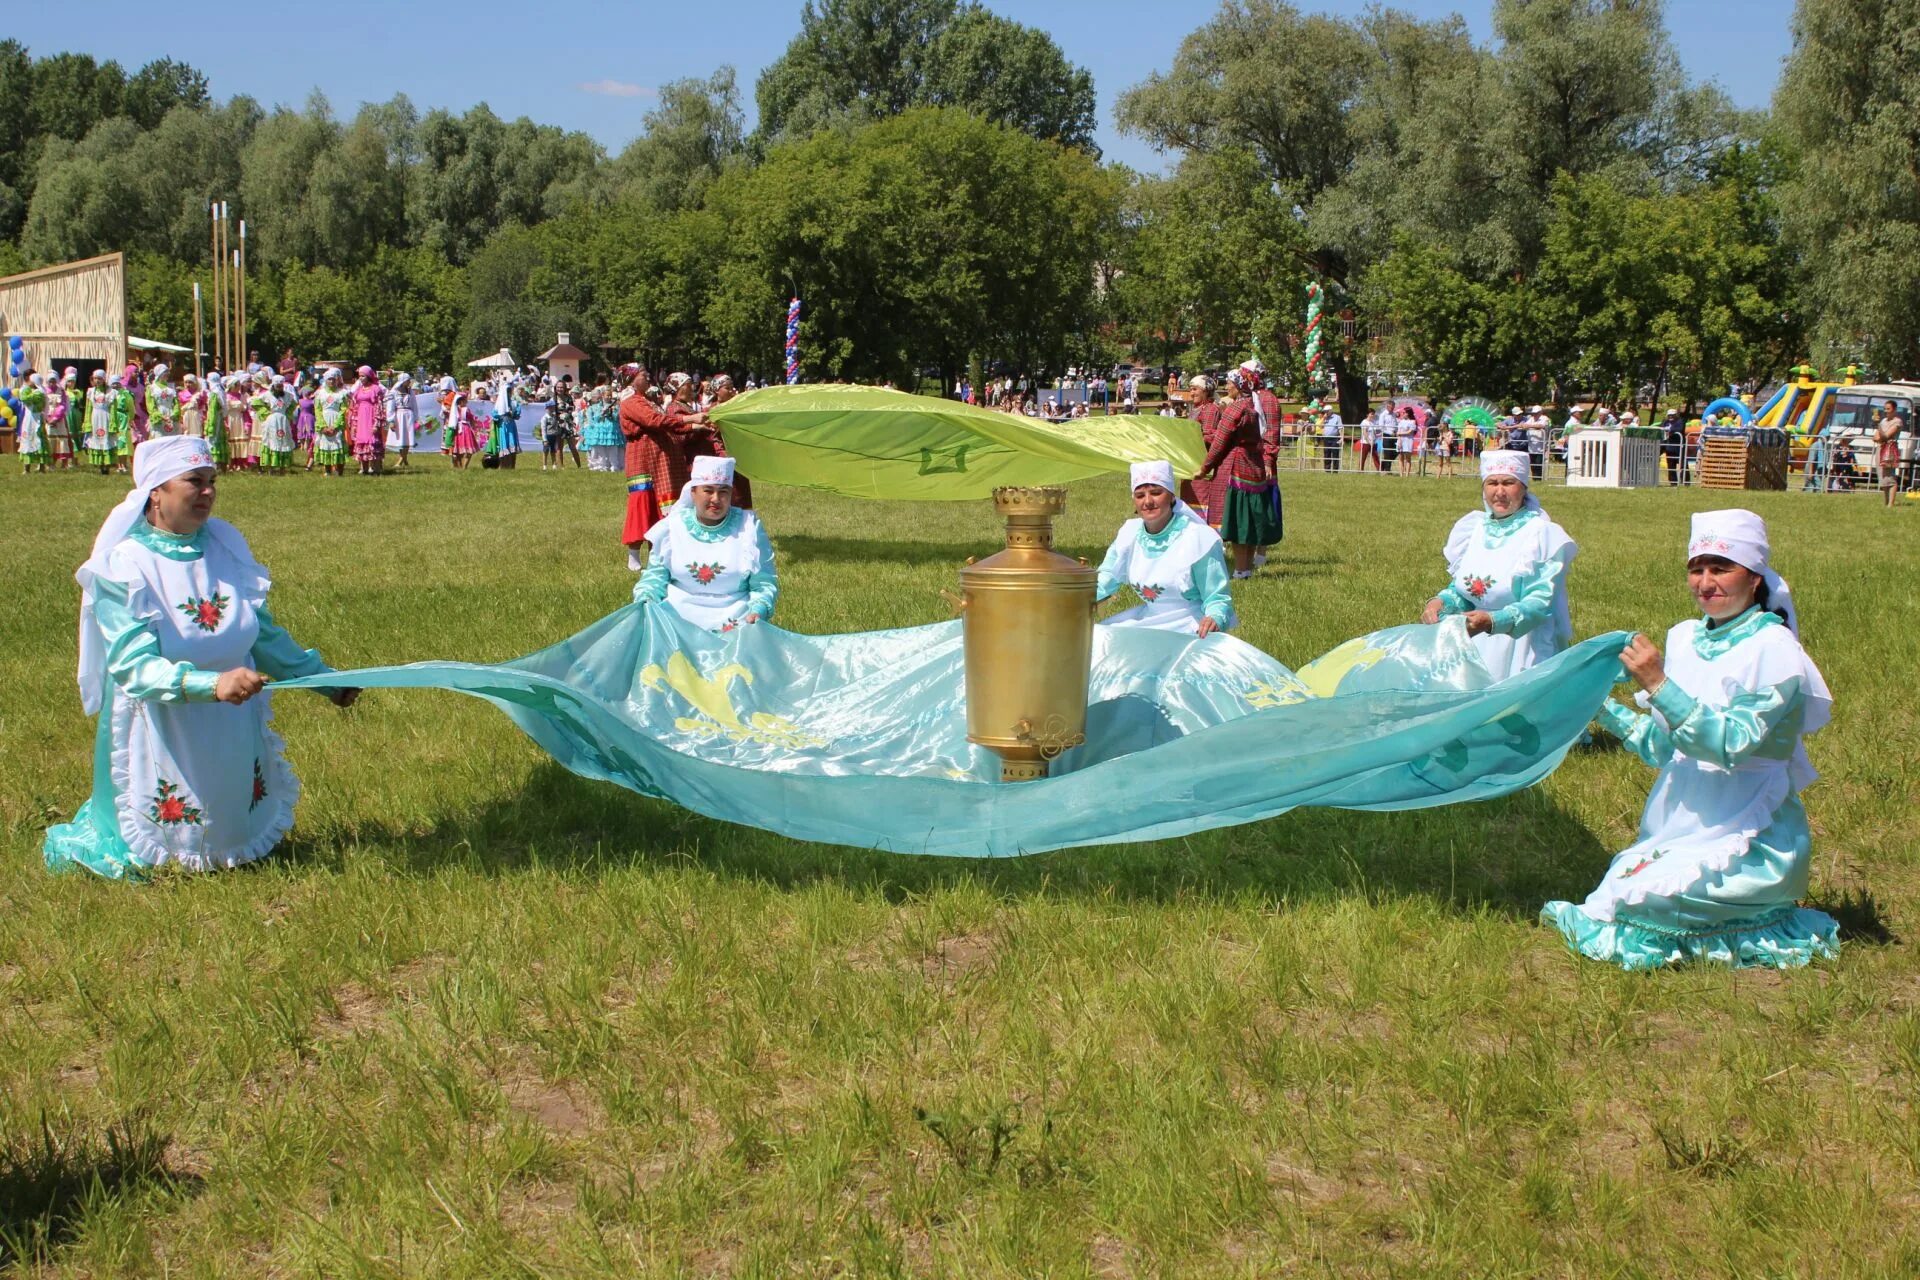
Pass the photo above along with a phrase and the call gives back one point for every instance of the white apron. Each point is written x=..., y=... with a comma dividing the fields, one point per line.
x=400, y=422
x=1485, y=570
x=1701, y=818
x=200, y=783
x=276, y=431
x=707, y=580
x=1162, y=581
x=33, y=437
x=99, y=422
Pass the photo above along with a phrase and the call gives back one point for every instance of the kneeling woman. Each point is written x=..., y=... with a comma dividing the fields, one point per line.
x=711, y=562
x=176, y=645
x=1724, y=848
x=1172, y=560
x=1508, y=563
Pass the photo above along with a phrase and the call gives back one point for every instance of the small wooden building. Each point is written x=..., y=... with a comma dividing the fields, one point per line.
x=563, y=359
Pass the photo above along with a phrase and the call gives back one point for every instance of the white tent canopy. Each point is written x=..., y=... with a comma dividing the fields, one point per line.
x=152, y=344
x=501, y=359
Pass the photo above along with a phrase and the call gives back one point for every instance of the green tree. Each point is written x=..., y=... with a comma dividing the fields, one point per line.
x=1012, y=74
x=1211, y=265
x=694, y=135
x=72, y=93
x=315, y=192
x=160, y=300
x=159, y=87
x=1849, y=108
x=864, y=60
x=478, y=173
x=1384, y=129
x=909, y=245
x=503, y=309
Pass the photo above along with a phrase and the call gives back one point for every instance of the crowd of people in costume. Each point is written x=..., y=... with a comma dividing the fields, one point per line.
x=325, y=420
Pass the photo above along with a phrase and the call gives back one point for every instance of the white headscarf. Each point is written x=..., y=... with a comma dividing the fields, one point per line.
x=1511, y=463
x=707, y=469
x=159, y=460
x=1159, y=473
x=1741, y=536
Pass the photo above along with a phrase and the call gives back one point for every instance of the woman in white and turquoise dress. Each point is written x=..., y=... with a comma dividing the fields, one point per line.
x=1724, y=849
x=1508, y=566
x=1171, y=559
x=711, y=561
x=176, y=645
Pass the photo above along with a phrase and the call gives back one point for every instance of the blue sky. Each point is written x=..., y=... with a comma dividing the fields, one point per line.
x=592, y=65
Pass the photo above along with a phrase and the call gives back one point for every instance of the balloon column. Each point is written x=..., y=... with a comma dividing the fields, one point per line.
x=793, y=342
x=1316, y=370
x=10, y=407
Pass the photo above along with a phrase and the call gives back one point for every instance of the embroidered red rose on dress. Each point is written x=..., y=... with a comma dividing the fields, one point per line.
x=207, y=612
x=170, y=807
x=703, y=573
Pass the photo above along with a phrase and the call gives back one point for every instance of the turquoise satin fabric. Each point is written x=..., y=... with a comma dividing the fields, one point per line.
x=861, y=739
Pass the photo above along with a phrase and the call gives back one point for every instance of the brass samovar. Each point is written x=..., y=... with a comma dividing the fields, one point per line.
x=1028, y=620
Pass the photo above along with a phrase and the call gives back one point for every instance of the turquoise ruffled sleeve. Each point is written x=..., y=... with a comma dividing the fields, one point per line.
x=763, y=584
x=1453, y=600
x=275, y=654
x=1533, y=593
x=133, y=653
x=1210, y=587
x=1109, y=579
x=652, y=587
x=1727, y=735
x=1640, y=734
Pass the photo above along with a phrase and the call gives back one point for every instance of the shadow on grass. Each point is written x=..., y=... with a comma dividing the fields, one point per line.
x=1860, y=917
x=49, y=1185
x=1507, y=855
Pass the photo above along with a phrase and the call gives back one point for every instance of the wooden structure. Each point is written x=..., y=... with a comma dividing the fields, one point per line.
x=71, y=314
x=563, y=359
x=1749, y=460
x=1603, y=458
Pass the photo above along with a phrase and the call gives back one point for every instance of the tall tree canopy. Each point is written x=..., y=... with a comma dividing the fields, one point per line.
x=1850, y=110
x=870, y=59
x=1385, y=131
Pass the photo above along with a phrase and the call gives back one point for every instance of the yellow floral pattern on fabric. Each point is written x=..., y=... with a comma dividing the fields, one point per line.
x=716, y=715
x=1276, y=693
x=1323, y=675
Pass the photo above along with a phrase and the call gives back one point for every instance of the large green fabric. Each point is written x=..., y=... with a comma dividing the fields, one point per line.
x=861, y=739
x=869, y=442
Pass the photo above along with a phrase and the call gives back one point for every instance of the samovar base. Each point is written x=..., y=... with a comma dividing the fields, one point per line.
x=1022, y=770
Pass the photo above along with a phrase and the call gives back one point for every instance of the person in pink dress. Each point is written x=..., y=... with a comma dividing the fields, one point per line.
x=365, y=430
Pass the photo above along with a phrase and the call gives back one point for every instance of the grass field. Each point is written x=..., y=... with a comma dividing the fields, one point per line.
x=482, y=1018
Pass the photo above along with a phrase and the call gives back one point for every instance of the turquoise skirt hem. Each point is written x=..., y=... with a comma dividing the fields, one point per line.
x=85, y=845
x=1783, y=939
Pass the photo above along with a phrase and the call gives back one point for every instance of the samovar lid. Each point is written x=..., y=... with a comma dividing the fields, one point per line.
x=1030, y=500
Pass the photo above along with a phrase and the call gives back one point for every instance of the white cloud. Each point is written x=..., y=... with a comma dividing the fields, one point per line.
x=614, y=89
